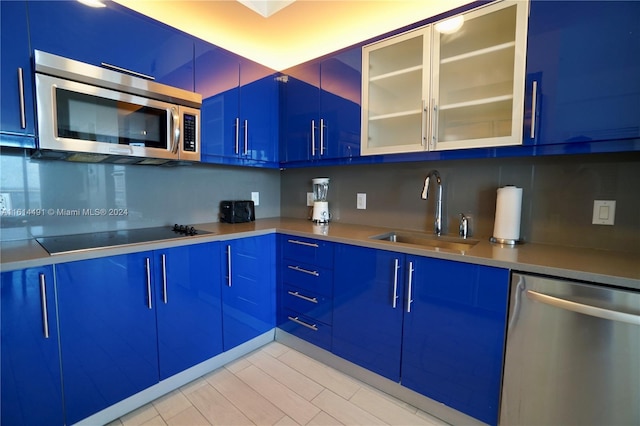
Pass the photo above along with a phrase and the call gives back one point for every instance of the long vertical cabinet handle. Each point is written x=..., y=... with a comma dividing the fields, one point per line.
x=165, y=296
x=229, y=265
x=246, y=137
x=23, y=111
x=534, y=105
x=313, y=138
x=434, y=124
x=423, y=134
x=321, y=137
x=148, y=267
x=237, y=145
x=410, y=287
x=394, y=301
x=43, y=302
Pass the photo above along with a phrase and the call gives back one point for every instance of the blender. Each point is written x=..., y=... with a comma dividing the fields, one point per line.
x=320, y=204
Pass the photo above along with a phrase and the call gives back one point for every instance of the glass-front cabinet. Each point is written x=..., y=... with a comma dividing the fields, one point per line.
x=395, y=88
x=457, y=83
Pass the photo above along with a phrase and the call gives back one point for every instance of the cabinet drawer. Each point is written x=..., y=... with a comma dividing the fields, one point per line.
x=308, y=277
x=308, y=250
x=307, y=303
x=306, y=328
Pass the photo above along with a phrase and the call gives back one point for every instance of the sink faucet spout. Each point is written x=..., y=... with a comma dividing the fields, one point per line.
x=437, y=224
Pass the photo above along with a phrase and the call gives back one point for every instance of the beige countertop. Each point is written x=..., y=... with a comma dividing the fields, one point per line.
x=598, y=266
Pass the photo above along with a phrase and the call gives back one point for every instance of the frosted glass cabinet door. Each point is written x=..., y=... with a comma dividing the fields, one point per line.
x=395, y=75
x=478, y=78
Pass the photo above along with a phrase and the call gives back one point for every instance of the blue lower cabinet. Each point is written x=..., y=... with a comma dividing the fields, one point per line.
x=306, y=328
x=305, y=289
x=248, y=288
x=436, y=326
x=454, y=333
x=188, y=306
x=368, y=308
x=108, y=337
x=31, y=387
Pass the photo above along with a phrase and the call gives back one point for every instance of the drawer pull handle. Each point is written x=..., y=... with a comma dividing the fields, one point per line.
x=303, y=297
x=304, y=324
x=299, y=269
x=303, y=243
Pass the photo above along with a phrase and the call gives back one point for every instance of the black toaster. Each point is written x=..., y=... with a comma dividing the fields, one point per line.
x=237, y=211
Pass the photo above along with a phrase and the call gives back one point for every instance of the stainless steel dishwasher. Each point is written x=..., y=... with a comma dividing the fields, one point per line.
x=572, y=354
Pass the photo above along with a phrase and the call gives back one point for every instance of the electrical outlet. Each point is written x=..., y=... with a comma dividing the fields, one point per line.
x=255, y=197
x=309, y=199
x=361, y=201
x=604, y=212
x=5, y=202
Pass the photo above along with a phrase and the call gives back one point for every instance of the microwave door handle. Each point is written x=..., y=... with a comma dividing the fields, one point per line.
x=175, y=125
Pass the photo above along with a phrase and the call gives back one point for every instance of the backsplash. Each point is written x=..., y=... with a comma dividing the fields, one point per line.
x=558, y=194
x=557, y=206
x=67, y=198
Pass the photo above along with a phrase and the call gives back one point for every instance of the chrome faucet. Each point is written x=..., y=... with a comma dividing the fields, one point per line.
x=437, y=224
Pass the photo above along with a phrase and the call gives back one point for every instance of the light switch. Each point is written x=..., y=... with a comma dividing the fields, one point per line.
x=604, y=212
x=361, y=201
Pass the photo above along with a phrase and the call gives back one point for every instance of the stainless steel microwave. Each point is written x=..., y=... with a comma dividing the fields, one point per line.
x=88, y=113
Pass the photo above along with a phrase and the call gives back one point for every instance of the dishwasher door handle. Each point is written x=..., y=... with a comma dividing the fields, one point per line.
x=593, y=311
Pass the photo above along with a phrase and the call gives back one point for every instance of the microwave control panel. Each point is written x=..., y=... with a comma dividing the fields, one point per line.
x=189, y=129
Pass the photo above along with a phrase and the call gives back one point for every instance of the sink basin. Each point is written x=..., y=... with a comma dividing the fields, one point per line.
x=427, y=240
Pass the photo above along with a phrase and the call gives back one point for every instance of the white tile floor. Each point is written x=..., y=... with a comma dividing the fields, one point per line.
x=277, y=385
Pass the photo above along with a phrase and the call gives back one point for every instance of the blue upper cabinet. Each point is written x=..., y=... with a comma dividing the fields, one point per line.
x=30, y=375
x=320, y=108
x=248, y=288
x=239, y=110
x=108, y=338
x=189, y=315
x=584, y=57
x=115, y=36
x=17, y=126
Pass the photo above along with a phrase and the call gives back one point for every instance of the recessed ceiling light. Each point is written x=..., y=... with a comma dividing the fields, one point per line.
x=450, y=26
x=93, y=3
x=266, y=8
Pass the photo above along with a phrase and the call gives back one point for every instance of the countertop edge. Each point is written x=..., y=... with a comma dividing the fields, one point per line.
x=593, y=266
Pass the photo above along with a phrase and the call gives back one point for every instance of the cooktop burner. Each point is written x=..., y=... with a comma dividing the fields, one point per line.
x=79, y=242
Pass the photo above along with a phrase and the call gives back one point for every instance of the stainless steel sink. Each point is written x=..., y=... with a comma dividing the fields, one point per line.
x=427, y=240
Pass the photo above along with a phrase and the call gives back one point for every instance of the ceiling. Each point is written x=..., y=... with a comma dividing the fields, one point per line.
x=300, y=31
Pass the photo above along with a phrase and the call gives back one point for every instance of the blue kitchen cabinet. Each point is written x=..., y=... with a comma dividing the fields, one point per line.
x=368, y=308
x=320, y=108
x=454, y=334
x=30, y=373
x=584, y=57
x=188, y=306
x=239, y=109
x=113, y=35
x=17, y=122
x=436, y=326
x=305, y=289
x=108, y=336
x=248, y=288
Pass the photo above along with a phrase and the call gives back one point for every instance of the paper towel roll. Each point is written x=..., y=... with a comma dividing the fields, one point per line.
x=508, y=210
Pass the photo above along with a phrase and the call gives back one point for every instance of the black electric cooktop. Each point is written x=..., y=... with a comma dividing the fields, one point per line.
x=79, y=242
